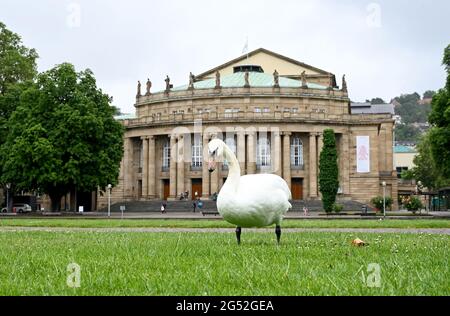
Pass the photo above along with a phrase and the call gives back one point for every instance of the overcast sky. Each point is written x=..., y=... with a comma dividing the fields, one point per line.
x=385, y=48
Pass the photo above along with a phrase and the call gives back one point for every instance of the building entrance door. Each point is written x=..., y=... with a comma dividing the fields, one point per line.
x=297, y=188
x=196, y=187
x=166, y=185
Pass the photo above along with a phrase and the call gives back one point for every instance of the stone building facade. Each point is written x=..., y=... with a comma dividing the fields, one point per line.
x=272, y=111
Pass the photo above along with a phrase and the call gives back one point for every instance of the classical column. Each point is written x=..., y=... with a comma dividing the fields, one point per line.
x=344, y=158
x=151, y=167
x=276, y=154
x=173, y=167
x=144, y=140
x=205, y=172
x=128, y=166
x=312, y=166
x=180, y=165
x=241, y=151
x=319, y=147
x=251, y=157
x=287, y=158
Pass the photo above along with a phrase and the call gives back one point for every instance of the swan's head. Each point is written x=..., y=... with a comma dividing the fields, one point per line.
x=215, y=153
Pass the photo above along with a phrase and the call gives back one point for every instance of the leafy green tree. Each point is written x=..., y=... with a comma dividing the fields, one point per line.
x=376, y=101
x=328, y=171
x=440, y=120
x=17, y=66
x=429, y=94
x=410, y=110
x=63, y=136
x=404, y=132
x=424, y=169
x=17, y=62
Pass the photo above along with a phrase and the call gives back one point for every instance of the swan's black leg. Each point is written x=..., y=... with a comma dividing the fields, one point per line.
x=238, y=235
x=278, y=233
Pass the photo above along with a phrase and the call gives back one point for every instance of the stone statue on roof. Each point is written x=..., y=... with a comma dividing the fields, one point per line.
x=276, y=79
x=344, y=84
x=149, y=85
x=303, y=76
x=138, y=94
x=167, y=80
x=191, y=81
x=246, y=78
x=217, y=79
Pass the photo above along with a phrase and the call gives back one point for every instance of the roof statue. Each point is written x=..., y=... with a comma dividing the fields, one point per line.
x=344, y=84
x=167, y=80
x=191, y=81
x=276, y=79
x=217, y=79
x=247, y=83
x=149, y=85
x=138, y=94
x=304, y=83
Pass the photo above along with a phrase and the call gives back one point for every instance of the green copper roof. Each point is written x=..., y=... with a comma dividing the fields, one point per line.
x=404, y=149
x=256, y=79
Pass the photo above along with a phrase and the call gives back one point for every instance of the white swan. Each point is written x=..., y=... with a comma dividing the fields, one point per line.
x=252, y=200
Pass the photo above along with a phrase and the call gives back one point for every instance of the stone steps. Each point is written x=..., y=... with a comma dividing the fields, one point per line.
x=210, y=206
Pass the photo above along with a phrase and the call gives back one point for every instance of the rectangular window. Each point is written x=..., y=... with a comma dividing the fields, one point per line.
x=197, y=149
x=166, y=155
x=228, y=113
x=263, y=152
x=257, y=110
x=266, y=110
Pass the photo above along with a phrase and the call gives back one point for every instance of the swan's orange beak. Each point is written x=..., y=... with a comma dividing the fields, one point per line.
x=211, y=164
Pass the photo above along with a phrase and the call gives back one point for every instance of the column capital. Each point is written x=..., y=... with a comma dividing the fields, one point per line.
x=144, y=137
x=286, y=133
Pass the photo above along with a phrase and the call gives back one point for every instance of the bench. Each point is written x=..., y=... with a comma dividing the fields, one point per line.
x=210, y=213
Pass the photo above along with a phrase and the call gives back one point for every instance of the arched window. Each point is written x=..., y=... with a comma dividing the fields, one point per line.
x=263, y=152
x=166, y=154
x=296, y=152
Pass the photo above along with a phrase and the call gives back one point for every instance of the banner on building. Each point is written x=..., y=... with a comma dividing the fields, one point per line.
x=362, y=154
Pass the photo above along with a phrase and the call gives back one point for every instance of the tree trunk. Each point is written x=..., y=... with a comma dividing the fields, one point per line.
x=55, y=198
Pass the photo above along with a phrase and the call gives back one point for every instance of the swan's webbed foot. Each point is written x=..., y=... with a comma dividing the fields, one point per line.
x=278, y=233
x=238, y=235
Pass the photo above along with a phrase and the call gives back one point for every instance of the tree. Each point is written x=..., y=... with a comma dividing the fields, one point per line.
x=405, y=132
x=328, y=171
x=424, y=169
x=63, y=136
x=428, y=94
x=17, y=66
x=376, y=101
x=17, y=62
x=439, y=118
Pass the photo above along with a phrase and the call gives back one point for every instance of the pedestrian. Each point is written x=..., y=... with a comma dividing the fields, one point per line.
x=163, y=207
x=194, y=205
x=305, y=210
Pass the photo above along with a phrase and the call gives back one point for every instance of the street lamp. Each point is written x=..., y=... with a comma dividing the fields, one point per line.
x=109, y=199
x=8, y=186
x=384, y=199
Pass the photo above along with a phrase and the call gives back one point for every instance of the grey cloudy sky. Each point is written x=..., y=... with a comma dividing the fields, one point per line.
x=384, y=47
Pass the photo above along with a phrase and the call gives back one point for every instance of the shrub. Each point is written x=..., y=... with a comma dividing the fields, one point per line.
x=337, y=208
x=328, y=171
x=412, y=203
x=378, y=202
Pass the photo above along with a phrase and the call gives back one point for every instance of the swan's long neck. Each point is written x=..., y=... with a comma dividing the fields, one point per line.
x=234, y=171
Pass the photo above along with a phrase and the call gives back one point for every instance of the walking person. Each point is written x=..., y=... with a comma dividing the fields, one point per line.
x=305, y=210
x=194, y=205
x=163, y=207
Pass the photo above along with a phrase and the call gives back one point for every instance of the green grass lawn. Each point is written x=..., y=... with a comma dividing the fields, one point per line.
x=35, y=263
x=289, y=223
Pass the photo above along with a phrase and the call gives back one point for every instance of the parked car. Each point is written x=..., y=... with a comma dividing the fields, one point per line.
x=21, y=208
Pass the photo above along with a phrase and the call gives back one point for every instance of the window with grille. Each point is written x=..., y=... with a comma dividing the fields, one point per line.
x=296, y=151
x=263, y=152
x=231, y=142
x=166, y=154
x=197, y=149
